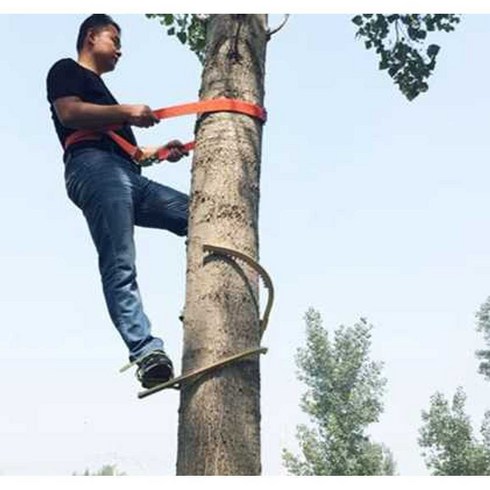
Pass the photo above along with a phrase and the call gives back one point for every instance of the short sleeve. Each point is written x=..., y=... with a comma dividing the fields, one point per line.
x=64, y=79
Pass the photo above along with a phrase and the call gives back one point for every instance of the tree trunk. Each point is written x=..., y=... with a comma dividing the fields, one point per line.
x=219, y=415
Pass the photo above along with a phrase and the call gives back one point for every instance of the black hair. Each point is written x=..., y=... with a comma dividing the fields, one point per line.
x=95, y=22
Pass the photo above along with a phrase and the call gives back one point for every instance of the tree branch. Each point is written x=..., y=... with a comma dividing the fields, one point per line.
x=270, y=32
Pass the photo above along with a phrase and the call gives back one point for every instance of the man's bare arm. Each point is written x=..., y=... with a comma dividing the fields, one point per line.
x=77, y=114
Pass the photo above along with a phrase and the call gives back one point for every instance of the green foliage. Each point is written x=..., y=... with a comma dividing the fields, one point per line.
x=398, y=39
x=449, y=446
x=483, y=325
x=343, y=398
x=189, y=29
x=106, y=470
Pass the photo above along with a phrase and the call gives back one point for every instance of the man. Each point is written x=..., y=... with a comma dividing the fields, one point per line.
x=107, y=185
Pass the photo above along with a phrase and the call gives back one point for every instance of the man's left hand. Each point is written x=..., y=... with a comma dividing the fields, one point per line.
x=149, y=153
x=148, y=156
x=177, y=150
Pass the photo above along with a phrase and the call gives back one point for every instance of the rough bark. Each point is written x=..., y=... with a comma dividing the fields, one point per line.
x=219, y=415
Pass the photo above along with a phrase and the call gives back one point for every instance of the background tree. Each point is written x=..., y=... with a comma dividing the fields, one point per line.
x=106, y=470
x=483, y=325
x=447, y=439
x=344, y=397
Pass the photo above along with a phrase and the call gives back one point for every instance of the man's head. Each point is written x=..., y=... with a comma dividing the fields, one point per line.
x=100, y=37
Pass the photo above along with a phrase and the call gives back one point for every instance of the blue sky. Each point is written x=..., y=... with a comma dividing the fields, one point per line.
x=371, y=206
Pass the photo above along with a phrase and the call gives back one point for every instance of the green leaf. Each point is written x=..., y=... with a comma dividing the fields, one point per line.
x=392, y=71
x=168, y=19
x=171, y=31
x=357, y=20
x=432, y=50
x=182, y=37
x=412, y=33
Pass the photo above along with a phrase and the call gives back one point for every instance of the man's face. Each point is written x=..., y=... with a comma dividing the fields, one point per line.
x=106, y=47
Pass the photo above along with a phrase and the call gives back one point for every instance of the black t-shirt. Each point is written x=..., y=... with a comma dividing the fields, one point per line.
x=67, y=78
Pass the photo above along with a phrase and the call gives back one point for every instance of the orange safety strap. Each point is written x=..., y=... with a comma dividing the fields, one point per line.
x=213, y=105
x=201, y=107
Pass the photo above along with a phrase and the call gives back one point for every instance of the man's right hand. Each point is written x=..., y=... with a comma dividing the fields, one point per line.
x=141, y=116
x=74, y=113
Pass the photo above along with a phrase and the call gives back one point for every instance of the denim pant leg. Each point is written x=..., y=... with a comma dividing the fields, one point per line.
x=162, y=207
x=105, y=186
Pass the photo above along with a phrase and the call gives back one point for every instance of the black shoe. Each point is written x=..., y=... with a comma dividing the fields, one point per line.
x=155, y=368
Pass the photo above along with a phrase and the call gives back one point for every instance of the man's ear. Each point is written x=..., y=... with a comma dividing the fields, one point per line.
x=90, y=37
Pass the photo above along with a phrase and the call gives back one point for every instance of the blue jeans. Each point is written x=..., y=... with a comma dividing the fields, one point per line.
x=114, y=197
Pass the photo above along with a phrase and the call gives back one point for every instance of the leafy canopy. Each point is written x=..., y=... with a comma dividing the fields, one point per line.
x=105, y=470
x=483, y=325
x=447, y=440
x=343, y=398
x=399, y=39
x=189, y=29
